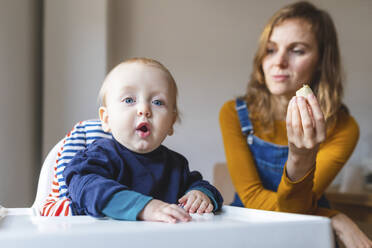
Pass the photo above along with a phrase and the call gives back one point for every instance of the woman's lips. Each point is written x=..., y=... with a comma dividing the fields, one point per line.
x=143, y=129
x=280, y=78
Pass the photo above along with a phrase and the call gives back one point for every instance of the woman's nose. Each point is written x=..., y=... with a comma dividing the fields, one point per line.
x=281, y=59
x=144, y=110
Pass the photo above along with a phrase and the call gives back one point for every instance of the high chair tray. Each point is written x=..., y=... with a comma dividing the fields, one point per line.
x=232, y=227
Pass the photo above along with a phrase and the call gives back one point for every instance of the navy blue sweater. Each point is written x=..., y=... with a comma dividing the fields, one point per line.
x=108, y=179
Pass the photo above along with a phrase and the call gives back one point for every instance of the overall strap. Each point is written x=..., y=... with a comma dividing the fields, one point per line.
x=245, y=122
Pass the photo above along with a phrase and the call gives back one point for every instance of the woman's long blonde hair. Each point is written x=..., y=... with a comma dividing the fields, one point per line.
x=327, y=80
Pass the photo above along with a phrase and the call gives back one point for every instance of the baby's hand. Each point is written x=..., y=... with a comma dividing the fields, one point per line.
x=196, y=201
x=157, y=210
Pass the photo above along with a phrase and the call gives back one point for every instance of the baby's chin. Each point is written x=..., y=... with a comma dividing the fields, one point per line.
x=142, y=147
x=143, y=150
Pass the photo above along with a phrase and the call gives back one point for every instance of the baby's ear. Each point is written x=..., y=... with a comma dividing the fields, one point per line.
x=103, y=116
x=171, y=130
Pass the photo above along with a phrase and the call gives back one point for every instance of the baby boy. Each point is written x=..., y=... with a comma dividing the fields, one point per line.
x=133, y=176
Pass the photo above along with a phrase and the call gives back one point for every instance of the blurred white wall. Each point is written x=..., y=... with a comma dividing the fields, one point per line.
x=20, y=92
x=209, y=47
x=74, y=64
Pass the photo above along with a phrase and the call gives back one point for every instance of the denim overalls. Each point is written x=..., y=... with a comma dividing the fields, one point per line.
x=268, y=157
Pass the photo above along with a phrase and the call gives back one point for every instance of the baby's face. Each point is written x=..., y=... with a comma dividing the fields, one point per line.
x=140, y=107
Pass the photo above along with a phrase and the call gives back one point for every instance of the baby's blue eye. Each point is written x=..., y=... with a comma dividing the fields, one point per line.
x=128, y=100
x=158, y=102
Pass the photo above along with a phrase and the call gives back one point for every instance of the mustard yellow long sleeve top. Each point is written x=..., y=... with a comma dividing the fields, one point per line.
x=296, y=197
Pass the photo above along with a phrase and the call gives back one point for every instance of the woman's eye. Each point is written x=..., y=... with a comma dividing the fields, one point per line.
x=298, y=51
x=158, y=102
x=128, y=100
x=270, y=50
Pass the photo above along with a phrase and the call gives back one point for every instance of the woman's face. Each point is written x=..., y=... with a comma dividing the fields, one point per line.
x=291, y=57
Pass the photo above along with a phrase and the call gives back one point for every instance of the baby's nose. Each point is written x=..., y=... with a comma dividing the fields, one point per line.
x=144, y=110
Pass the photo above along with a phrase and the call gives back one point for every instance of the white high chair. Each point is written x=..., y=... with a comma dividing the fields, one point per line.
x=51, y=183
x=44, y=185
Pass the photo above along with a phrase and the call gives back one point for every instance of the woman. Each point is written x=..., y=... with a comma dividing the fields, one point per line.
x=283, y=151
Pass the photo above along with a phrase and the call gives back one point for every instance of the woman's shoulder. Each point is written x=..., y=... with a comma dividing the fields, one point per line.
x=228, y=111
x=347, y=120
x=346, y=125
x=228, y=105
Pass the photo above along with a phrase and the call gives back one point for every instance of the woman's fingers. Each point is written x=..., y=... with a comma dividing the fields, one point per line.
x=306, y=122
x=289, y=119
x=318, y=118
x=296, y=125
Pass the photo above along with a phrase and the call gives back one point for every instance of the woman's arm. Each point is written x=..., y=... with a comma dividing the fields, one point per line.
x=349, y=233
x=306, y=130
x=309, y=159
x=332, y=155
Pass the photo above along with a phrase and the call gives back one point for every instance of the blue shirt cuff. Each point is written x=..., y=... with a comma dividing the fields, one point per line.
x=126, y=205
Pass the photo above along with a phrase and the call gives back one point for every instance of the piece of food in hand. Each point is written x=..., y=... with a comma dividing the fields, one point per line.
x=304, y=91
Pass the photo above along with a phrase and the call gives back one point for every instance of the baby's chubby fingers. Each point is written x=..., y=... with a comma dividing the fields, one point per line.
x=196, y=201
x=183, y=200
x=187, y=201
x=195, y=206
x=209, y=208
x=157, y=210
x=203, y=207
x=176, y=213
x=163, y=217
x=173, y=217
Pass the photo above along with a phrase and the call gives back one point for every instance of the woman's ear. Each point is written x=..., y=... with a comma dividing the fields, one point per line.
x=103, y=116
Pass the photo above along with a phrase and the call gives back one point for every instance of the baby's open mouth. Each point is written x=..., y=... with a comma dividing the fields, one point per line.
x=143, y=129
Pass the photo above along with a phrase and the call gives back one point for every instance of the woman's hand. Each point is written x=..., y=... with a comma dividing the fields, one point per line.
x=157, y=210
x=196, y=201
x=306, y=129
x=349, y=233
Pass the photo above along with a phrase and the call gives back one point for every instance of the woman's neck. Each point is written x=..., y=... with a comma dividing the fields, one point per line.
x=280, y=104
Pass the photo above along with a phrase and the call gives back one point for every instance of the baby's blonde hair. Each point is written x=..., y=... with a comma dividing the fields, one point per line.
x=144, y=61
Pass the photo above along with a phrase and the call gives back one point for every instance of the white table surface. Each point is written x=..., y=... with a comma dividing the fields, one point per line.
x=232, y=227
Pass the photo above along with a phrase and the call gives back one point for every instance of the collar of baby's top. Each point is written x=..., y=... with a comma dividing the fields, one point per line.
x=153, y=153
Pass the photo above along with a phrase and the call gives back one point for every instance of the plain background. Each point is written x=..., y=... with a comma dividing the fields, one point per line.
x=55, y=54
